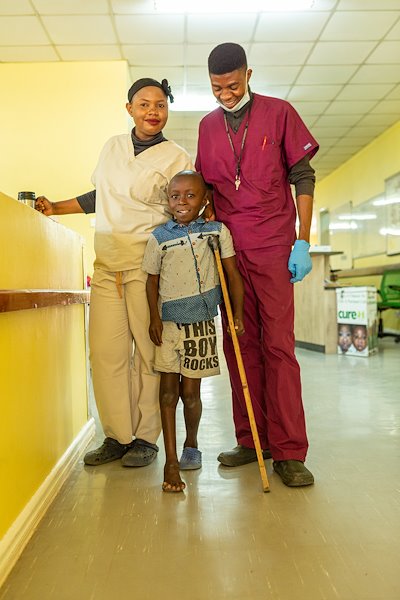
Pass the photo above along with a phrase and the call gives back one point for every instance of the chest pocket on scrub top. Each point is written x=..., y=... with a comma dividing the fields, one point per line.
x=151, y=188
x=266, y=164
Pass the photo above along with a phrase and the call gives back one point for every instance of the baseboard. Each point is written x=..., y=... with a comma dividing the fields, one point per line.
x=20, y=532
x=310, y=346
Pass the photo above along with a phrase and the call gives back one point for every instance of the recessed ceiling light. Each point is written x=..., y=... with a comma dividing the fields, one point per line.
x=230, y=6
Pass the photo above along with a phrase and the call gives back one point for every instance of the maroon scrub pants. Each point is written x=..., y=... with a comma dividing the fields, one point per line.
x=267, y=348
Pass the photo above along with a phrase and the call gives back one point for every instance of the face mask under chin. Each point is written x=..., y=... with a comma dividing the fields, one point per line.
x=237, y=106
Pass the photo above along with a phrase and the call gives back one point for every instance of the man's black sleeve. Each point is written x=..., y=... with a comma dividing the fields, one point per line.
x=302, y=176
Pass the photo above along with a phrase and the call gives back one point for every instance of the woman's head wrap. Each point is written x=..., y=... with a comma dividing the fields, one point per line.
x=226, y=58
x=146, y=82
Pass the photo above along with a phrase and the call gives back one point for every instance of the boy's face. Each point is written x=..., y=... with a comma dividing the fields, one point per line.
x=344, y=337
x=360, y=338
x=187, y=195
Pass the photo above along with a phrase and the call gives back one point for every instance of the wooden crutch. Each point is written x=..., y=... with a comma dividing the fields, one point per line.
x=213, y=243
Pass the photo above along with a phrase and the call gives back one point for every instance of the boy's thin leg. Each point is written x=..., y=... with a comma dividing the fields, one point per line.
x=169, y=396
x=190, y=394
x=192, y=409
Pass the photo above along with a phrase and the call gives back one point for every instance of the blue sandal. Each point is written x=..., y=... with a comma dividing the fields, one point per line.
x=190, y=459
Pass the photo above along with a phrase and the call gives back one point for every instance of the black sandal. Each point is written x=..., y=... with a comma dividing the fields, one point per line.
x=140, y=454
x=109, y=450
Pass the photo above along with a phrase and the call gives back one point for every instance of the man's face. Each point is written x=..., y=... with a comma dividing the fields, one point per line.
x=230, y=88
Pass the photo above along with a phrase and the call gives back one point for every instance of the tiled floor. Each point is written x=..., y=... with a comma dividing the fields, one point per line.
x=112, y=533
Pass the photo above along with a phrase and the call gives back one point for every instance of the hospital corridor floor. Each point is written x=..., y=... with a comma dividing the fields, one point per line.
x=111, y=533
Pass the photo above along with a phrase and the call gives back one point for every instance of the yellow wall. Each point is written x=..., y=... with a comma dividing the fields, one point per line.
x=54, y=120
x=359, y=179
x=363, y=176
x=42, y=355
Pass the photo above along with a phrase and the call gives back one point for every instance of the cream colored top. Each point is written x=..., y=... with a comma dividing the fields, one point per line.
x=131, y=198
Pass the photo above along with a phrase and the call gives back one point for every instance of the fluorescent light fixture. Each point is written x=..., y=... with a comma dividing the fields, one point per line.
x=386, y=201
x=342, y=226
x=389, y=231
x=358, y=217
x=190, y=103
x=230, y=6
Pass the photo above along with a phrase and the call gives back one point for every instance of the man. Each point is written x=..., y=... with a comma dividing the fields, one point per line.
x=250, y=150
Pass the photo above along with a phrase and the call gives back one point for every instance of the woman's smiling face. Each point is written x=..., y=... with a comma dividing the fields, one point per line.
x=149, y=110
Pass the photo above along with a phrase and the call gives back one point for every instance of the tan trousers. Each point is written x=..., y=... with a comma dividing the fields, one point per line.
x=122, y=356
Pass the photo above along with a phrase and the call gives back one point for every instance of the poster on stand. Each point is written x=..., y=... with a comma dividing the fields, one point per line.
x=357, y=320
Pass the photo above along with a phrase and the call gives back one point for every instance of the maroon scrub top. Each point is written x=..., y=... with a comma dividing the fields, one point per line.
x=262, y=212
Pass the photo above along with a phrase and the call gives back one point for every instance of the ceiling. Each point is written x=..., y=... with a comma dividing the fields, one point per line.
x=338, y=63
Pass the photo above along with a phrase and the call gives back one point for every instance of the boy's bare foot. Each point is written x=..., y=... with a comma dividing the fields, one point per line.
x=172, y=479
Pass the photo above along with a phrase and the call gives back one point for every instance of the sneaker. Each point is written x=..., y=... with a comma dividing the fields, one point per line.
x=140, y=454
x=109, y=450
x=190, y=459
x=241, y=456
x=293, y=473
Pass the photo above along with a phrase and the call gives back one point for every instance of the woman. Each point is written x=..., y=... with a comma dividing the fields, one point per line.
x=130, y=200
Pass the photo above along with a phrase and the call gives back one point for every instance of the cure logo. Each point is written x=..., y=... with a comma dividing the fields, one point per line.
x=350, y=314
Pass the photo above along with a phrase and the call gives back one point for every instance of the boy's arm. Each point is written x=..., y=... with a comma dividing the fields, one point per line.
x=236, y=291
x=155, y=328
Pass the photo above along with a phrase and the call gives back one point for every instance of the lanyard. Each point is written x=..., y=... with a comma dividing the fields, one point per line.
x=238, y=158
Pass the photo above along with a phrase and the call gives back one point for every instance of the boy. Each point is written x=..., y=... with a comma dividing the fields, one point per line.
x=183, y=285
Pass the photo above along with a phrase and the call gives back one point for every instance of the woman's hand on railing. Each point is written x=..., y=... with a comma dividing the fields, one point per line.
x=44, y=206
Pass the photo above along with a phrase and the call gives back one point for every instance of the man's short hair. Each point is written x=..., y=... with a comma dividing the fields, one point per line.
x=226, y=58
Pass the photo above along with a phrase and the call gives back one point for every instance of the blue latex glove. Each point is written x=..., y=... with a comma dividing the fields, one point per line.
x=299, y=261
